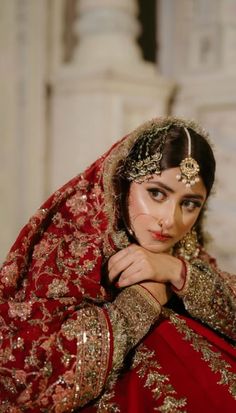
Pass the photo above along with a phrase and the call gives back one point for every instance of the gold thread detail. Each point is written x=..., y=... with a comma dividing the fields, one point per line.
x=211, y=357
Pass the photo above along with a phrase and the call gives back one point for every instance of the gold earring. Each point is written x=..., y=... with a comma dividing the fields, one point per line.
x=188, y=246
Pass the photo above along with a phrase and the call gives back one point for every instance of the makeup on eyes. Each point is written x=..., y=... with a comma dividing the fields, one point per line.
x=156, y=187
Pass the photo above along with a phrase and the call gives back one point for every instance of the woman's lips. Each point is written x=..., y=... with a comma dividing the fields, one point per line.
x=160, y=236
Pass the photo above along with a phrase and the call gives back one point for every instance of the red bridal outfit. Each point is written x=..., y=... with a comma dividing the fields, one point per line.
x=68, y=344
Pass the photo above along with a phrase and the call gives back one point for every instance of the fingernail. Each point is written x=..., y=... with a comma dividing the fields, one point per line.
x=117, y=285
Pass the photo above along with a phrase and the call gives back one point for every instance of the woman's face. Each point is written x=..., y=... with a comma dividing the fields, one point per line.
x=162, y=210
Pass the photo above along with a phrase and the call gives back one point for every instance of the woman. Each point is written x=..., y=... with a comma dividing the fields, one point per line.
x=109, y=302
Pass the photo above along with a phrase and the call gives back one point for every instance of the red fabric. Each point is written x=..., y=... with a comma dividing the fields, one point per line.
x=56, y=263
x=172, y=376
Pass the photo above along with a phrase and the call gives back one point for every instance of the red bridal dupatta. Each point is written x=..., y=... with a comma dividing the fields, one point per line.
x=58, y=336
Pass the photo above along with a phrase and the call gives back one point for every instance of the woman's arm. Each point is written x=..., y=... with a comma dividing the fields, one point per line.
x=110, y=333
x=105, y=336
x=210, y=295
x=52, y=366
x=131, y=315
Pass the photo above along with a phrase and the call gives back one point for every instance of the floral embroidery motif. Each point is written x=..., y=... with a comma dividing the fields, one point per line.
x=77, y=203
x=57, y=288
x=148, y=368
x=213, y=358
x=105, y=405
x=9, y=274
x=21, y=310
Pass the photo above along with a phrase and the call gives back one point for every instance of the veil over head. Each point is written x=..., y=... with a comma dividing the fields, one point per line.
x=63, y=246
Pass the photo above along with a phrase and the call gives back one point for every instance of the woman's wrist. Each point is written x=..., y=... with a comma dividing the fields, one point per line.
x=151, y=298
x=179, y=282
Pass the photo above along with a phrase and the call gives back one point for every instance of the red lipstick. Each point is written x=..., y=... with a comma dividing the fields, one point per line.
x=160, y=236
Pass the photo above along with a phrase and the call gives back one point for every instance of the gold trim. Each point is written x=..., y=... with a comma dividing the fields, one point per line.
x=93, y=342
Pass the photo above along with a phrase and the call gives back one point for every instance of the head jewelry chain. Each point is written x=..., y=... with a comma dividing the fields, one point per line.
x=189, y=167
x=148, y=165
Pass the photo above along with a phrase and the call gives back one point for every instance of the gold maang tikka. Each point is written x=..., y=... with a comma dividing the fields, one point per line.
x=189, y=168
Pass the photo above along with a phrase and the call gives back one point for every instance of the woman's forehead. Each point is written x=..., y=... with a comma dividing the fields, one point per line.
x=168, y=180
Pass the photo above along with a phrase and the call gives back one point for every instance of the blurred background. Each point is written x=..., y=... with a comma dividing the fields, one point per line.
x=76, y=75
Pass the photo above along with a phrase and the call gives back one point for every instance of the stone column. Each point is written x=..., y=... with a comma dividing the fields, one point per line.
x=22, y=116
x=106, y=91
x=107, y=32
x=200, y=53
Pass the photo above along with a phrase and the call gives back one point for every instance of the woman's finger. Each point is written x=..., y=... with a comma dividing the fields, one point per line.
x=134, y=277
x=120, y=261
x=119, y=266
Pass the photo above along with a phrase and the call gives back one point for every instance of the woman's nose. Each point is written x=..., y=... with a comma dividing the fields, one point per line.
x=168, y=216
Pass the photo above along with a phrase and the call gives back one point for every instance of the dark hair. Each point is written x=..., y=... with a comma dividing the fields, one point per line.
x=174, y=150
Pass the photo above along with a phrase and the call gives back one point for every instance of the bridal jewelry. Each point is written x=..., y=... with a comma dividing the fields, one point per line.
x=189, y=168
x=188, y=246
x=146, y=164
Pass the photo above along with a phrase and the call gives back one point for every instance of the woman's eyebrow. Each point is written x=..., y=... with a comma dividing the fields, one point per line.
x=171, y=190
x=194, y=196
x=163, y=186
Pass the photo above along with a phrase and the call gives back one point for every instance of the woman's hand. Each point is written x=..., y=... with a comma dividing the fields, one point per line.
x=160, y=291
x=135, y=264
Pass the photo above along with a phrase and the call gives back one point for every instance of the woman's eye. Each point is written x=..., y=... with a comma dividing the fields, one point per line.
x=156, y=194
x=191, y=205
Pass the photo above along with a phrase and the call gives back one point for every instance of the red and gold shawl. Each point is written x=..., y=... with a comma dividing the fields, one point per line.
x=51, y=276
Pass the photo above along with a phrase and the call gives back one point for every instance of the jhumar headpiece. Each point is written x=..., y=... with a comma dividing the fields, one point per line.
x=189, y=168
x=142, y=164
x=146, y=164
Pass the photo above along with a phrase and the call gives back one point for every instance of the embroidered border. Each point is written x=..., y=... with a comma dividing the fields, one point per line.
x=93, y=345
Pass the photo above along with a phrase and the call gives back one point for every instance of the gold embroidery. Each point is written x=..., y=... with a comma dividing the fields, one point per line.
x=208, y=297
x=214, y=359
x=77, y=202
x=9, y=274
x=20, y=310
x=57, y=288
x=93, y=348
x=132, y=314
x=148, y=368
x=104, y=405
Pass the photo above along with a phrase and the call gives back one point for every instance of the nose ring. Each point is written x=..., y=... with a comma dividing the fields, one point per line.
x=160, y=222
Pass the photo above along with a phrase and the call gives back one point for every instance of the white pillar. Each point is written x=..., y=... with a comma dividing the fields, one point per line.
x=228, y=19
x=200, y=53
x=107, y=31
x=22, y=116
x=106, y=91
